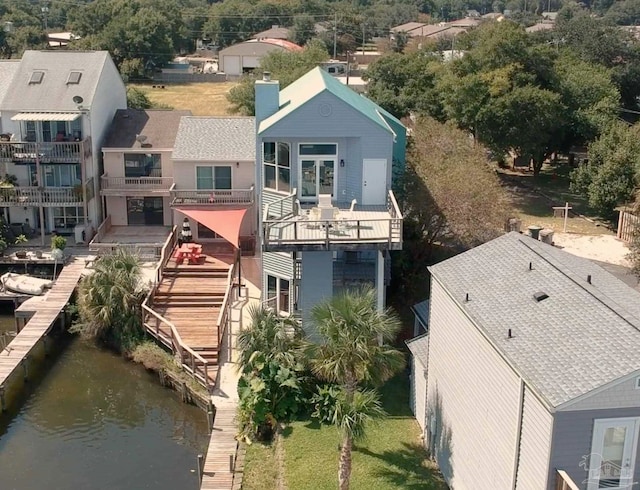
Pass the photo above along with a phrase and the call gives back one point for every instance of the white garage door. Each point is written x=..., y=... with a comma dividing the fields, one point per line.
x=250, y=62
x=231, y=65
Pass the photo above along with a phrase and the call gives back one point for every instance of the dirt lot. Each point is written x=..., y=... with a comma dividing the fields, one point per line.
x=202, y=99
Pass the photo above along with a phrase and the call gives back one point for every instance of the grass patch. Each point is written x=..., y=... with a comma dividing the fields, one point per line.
x=534, y=198
x=260, y=469
x=391, y=457
x=202, y=99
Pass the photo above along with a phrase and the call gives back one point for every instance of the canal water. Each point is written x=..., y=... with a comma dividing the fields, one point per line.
x=95, y=421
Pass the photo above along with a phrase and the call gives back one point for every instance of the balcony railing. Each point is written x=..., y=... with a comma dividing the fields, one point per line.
x=215, y=197
x=44, y=152
x=40, y=196
x=118, y=186
x=564, y=481
x=369, y=226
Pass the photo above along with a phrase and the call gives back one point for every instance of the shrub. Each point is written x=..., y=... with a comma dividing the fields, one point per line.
x=58, y=242
x=324, y=402
x=152, y=356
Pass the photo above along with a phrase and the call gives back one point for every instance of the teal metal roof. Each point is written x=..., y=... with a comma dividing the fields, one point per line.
x=317, y=81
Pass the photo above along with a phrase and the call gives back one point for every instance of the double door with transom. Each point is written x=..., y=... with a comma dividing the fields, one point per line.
x=317, y=176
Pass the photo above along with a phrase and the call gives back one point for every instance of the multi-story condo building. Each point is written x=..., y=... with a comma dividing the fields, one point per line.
x=325, y=159
x=55, y=109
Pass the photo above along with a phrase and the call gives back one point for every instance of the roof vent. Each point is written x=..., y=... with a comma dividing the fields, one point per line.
x=540, y=296
x=36, y=77
x=74, y=77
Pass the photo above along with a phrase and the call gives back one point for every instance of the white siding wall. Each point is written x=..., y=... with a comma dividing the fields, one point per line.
x=535, y=444
x=419, y=392
x=474, y=396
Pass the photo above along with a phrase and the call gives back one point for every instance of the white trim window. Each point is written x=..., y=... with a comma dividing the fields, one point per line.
x=218, y=177
x=276, y=166
x=317, y=170
x=279, y=294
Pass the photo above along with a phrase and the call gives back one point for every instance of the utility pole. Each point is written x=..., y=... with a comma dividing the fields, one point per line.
x=363, y=38
x=335, y=34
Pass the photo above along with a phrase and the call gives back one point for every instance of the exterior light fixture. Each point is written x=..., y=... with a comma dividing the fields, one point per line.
x=342, y=162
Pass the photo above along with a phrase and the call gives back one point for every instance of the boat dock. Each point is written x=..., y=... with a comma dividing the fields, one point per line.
x=219, y=466
x=15, y=356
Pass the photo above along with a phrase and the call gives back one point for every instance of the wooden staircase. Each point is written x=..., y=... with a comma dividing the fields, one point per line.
x=186, y=310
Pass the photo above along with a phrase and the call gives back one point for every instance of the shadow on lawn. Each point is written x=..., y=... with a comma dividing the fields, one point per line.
x=407, y=468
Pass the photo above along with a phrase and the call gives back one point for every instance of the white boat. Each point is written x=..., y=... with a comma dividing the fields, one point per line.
x=25, y=284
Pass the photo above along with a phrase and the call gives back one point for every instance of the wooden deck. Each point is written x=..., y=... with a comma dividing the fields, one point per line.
x=191, y=296
x=218, y=471
x=11, y=358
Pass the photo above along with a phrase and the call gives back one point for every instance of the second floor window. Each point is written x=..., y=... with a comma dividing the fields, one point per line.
x=277, y=166
x=213, y=177
x=142, y=165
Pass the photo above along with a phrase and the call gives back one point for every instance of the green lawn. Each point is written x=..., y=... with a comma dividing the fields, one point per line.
x=390, y=458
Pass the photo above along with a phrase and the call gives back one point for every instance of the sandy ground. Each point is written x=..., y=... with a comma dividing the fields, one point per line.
x=603, y=248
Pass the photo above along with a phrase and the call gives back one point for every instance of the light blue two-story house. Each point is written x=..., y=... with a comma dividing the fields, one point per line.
x=328, y=215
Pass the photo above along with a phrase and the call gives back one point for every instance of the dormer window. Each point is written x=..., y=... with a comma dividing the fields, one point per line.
x=36, y=77
x=74, y=77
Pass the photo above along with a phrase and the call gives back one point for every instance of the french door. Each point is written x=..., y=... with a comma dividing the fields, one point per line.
x=317, y=176
x=613, y=453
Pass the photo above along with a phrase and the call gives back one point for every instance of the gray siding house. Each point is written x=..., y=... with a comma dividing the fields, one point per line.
x=532, y=371
x=324, y=165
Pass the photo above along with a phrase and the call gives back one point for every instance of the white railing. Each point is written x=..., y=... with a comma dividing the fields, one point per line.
x=103, y=229
x=281, y=208
x=214, y=197
x=135, y=183
x=564, y=481
x=292, y=230
x=44, y=152
x=40, y=196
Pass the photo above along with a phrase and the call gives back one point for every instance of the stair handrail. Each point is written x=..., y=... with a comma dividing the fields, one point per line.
x=177, y=345
x=223, y=315
x=165, y=253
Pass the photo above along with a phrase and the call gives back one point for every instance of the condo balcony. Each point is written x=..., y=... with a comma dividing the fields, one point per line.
x=288, y=226
x=211, y=198
x=135, y=186
x=25, y=152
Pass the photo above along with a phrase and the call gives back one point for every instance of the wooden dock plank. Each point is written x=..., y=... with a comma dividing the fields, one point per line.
x=42, y=321
x=217, y=473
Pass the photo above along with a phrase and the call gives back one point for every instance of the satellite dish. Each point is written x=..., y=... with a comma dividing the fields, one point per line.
x=141, y=138
x=78, y=100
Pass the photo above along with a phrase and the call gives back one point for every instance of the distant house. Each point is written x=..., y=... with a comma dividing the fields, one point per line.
x=540, y=26
x=60, y=39
x=531, y=370
x=421, y=317
x=493, y=16
x=412, y=29
x=245, y=56
x=276, y=32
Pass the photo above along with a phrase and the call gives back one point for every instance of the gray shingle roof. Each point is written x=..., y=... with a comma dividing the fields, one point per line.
x=419, y=348
x=583, y=336
x=8, y=69
x=216, y=139
x=159, y=127
x=53, y=93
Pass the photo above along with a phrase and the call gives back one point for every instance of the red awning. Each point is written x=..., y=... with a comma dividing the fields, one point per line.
x=225, y=223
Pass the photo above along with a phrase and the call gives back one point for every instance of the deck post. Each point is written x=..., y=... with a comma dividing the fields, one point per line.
x=25, y=362
x=200, y=466
x=210, y=416
x=231, y=463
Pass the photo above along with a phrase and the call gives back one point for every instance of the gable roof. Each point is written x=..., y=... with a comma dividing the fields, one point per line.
x=216, y=139
x=583, y=336
x=159, y=127
x=419, y=348
x=408, y=27
x=317, y=81
x=54, y=93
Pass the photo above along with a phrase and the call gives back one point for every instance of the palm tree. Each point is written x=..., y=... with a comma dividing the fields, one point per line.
x=109, y=300
x=353, y=353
